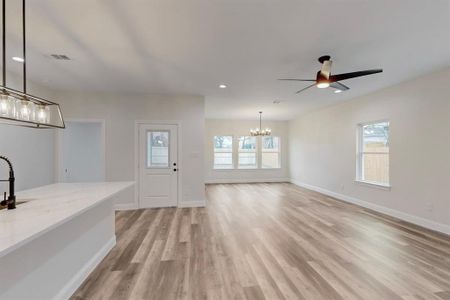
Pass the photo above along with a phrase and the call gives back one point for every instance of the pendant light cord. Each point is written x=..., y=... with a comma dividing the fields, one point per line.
x=24, y=49
x=3, y=43
x=4, y=46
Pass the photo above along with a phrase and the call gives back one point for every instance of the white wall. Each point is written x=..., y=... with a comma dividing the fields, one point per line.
x=82, y=152
x=31, y=152
x=323, y=150
x=120, y=113
x=239, y=128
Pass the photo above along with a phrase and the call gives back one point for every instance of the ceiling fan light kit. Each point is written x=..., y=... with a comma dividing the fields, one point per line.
x=18, y=107
x=324, y=79
x=259, y=131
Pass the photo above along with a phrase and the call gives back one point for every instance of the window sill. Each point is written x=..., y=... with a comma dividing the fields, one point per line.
x=379, y=186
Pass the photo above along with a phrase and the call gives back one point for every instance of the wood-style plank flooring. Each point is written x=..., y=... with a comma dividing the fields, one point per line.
x=270, y=241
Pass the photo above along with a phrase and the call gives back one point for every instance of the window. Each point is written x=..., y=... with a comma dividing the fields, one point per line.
x=223, y=152
x=157, y=149
x=270, y=152
x=373, y=153
x=247, y=152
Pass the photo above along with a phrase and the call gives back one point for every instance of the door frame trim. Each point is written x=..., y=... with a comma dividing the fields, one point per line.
x=137, y=124
x=59, y=151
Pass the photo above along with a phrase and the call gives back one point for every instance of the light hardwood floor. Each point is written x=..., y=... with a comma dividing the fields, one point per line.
x=270, y=241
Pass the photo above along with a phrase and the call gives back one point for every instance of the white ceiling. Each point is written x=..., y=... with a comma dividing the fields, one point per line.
x=191, y=46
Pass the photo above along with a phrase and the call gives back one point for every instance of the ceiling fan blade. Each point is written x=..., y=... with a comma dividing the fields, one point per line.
x=339, y=86
x=345, y=76
x=294, y=79
x=309, y=86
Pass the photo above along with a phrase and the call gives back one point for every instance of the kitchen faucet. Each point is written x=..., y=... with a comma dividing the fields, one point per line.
x=11, y=201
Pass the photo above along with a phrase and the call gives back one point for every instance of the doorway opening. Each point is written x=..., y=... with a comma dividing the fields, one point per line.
x=81, y=151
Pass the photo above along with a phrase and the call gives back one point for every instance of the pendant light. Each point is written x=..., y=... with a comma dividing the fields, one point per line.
x=19, y=107
x=259, y=131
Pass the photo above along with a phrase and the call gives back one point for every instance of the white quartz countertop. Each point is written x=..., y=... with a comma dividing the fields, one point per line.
x=48, y=207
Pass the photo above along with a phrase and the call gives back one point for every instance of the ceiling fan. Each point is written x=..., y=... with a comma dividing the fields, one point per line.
x=324, y=79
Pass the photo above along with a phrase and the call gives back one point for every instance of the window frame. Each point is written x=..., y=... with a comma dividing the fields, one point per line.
x=233, y=164
x=262, y=151
x=360, y=156
x=238, y=151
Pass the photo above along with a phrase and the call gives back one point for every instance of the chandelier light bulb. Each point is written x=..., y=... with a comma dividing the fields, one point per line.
x=5, y=105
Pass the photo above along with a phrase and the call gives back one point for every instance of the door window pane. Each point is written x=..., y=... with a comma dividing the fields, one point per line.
x=157, y=149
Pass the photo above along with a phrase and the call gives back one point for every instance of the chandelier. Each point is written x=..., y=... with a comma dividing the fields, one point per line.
x=18, y=107
x=259, y=131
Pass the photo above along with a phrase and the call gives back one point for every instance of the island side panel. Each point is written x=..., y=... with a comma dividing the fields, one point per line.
x=55, y=264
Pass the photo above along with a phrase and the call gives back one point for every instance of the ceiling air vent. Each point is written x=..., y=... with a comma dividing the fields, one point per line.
x=60, y=56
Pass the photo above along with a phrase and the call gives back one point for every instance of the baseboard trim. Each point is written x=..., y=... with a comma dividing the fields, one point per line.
x=125, y=206
x=192, y=204
x=244, y=180
x=76, y=281
x=439, y=227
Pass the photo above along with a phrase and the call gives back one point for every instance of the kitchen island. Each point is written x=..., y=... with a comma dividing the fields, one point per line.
x=50, y=243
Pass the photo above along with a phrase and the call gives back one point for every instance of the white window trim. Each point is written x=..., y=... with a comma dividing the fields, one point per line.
x=359, y=154
x=233, y=162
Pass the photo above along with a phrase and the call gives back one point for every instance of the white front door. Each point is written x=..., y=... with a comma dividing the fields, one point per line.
x=158, y=165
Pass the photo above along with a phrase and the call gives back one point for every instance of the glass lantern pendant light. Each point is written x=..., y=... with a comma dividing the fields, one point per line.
x=18, y=107
x=259, y=131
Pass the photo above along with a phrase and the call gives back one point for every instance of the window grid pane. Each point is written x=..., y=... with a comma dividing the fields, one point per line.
x=374, y=153
x=270, y=160
x=247, y=158
x=223, y=152
x=270, y=143
x=270, y=152
x=376, y=168
x=223, y=160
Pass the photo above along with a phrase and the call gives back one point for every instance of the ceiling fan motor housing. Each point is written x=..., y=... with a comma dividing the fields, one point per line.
x=321, y=78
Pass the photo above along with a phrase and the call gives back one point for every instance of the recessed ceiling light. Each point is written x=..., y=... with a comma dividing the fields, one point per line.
x=337, y=91
x=222, y=86
x=18, y=59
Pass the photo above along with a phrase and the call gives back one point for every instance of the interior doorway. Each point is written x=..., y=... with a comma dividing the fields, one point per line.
x=81, y=151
